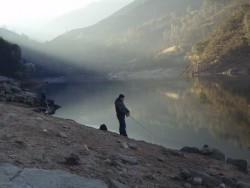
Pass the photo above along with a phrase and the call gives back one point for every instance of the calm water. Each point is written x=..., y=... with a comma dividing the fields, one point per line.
x=176, y=112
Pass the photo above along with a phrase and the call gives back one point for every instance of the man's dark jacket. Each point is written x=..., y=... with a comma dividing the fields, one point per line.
x=120, y=107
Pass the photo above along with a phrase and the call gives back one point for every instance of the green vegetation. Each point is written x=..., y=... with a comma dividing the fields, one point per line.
x=10, y=55
x=11, y=62
x=226, y=50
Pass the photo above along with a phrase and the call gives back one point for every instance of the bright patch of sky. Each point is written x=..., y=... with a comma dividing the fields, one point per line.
x=31, y=17
x=19, y=11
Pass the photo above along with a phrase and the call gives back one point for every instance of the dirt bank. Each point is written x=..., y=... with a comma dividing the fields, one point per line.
x=31, y=139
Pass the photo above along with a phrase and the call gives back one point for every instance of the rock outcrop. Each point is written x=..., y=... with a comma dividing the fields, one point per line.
x=11, y=91
x=12, y=176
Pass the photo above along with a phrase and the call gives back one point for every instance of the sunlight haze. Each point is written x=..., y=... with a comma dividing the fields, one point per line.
x=35, y=18
x=15, y=11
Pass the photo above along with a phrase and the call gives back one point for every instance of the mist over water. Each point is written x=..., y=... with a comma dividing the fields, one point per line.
x=175, y=112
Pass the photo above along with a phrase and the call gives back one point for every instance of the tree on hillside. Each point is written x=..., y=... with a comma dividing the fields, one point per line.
x=10, y=56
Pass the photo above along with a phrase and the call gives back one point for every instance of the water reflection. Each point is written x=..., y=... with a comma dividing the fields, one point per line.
x=176, y=112
x=229, y=100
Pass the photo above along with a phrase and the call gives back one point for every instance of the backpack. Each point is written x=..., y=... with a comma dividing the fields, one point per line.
x=103, y=127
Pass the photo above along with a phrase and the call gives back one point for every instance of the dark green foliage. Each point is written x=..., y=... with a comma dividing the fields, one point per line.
x=10, y=56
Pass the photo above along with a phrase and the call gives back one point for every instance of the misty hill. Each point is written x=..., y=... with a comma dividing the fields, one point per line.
x=227, y=50
x=22, y=40
x=144, y=35
x=33, y=54
x=84, y=17
x=101, y=46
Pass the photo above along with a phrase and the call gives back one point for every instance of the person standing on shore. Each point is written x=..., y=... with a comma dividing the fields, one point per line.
x=121, y=112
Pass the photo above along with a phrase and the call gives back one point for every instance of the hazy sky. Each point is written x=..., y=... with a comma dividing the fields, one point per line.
x=18, y=11
x=31, y=16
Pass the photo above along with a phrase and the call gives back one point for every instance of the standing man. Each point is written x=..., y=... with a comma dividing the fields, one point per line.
x=121, y=112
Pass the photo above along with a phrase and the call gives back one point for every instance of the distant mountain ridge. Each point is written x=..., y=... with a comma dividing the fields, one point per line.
x=83, y=17
x=149, y=35
x=83, y=45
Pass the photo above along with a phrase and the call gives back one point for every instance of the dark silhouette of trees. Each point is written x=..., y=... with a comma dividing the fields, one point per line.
x=10, y=56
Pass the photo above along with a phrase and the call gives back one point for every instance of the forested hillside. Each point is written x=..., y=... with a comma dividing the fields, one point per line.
x=227, y=49
x=10, y=57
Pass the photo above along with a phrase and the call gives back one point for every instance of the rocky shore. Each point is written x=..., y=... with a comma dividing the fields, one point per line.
x=44, y=151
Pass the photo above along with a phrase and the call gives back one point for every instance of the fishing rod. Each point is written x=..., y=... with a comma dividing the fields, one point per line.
x=142, y=126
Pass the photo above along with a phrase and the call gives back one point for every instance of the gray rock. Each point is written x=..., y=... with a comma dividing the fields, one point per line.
x=186, y=173
x=124, y=145
x=116, y=184
x=37, y=178
x=243, y=185
x=229, y=182
x=187, y=149
x=213, y=153
x=128, y=160
x=207, y=180
x=239, y=163
x=132, y=146
x=217, y=154
x=187, y=185
x=222, y=185
x=212, y=172
x=60, y=134
x=197, y=181
x=161, y=159
x=8, y=172
x=86, y=148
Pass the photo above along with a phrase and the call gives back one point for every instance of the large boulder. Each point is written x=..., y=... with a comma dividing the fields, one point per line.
x=207, y=180
x=239, y=163
x=14, y=177
x=196, y=177
x=213, y=153
x=188, y=149
x=243, y=185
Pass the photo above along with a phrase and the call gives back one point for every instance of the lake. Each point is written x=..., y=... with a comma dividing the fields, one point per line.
x=171, y=112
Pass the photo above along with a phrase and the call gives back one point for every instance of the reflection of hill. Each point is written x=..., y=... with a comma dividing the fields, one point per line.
x=229, y=101
x=222, y=107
